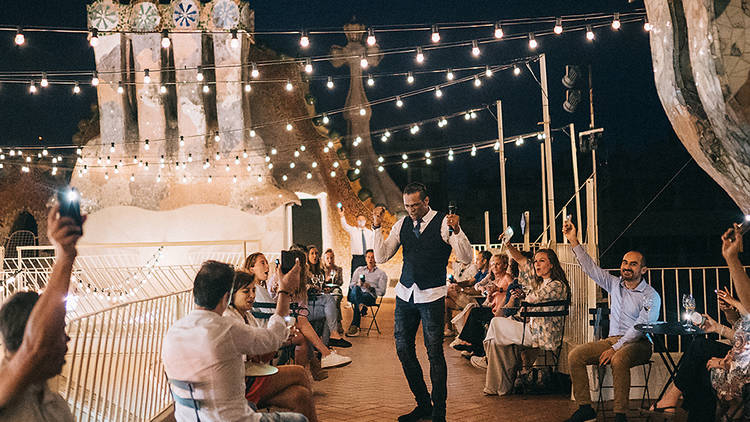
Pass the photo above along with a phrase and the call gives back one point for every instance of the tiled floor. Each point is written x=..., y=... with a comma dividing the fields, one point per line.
x=373, y=387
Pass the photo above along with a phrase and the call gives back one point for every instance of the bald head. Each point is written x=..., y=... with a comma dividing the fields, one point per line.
x=633, y=266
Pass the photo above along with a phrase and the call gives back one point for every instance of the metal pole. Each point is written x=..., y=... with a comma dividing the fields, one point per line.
x=574, y=153
x=500, y=138
x=487, y=230
x=594, y=197
x=548, y=149
x=526, y=236
x=591, y=245
x=544, y=196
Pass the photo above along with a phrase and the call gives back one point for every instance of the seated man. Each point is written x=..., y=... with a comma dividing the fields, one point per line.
x=207, y=350
x=367, y=283
x=625, y=347
x=33, y=333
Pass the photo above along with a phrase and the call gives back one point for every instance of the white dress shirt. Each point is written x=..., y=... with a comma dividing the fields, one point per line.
x=385, y=249
x=36, y=403
x=206, y=349
x=355, y=237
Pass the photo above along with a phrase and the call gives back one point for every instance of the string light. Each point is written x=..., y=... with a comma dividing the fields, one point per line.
x=314, y=164
x=234, y=42
x=145, y=145
x=199, y=75
x=420, y=55
x=210, y=179
x=44, y=82
x=32, y=88
x=428, y=161
x=498, y=31
x=236, y=159
x=475, y=48
x=381, y=168
x=95, y=79
x=409, y=78
x=106, y=176
x=132, y=177
x=519, y=141
x=227, y=167
x=404, y=157
x=94, y=40
x=254, y=73
x=146, y=76
x=404, y=165
x=289, y=127
x=309, y=175
x=333, y=173
x=399, y=103
x=163, y=89
x=335, y=164
x=20, y=39
x=473, y=150
x=487, y=72
x=371, y=37
x=414, y=129
x=647, y=25
x=370, y=80
x=165, y=42
x=589, y=33
x=308, y=66
x=616, y=21
x=326, y=120
x=427, y=154
x=217, y=138
x=516, y=70
x=496, y=146
x=532, y=41
x=304, y=40
x=329, y=83
x=435, y=37
x=558, y=26
x=217, y=156
x=112, y=147
x=362, y=111
x=284, y=177
x=120, y=88
x=289, y=87
x=252, y=134
x=244, y=153
x=274, y=151
x=363, y=61
x=205, y=89
x=449, y=76
x=477, y=81
x=438, y=92
x=296, y=153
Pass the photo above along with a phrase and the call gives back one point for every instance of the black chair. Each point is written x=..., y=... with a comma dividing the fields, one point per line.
x=374, y=314
x=191, y=402
x=527, y=311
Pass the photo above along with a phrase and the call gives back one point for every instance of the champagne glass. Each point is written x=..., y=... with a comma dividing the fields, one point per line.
x=648, y=303
x=688, y=302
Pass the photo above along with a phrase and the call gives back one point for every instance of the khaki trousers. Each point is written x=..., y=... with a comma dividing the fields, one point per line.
x=629, y=355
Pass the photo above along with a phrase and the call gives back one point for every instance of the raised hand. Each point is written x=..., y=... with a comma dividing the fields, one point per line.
x=377, y=216
x=570, y=232
x=731, y=241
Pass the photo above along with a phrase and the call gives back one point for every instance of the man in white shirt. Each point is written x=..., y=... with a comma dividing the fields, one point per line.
x=206, y=349
x=360, y=239
x=367, y=284
x=427, y=237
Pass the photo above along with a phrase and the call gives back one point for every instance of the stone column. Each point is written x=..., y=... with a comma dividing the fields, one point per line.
x=228, y=92
x=191, y=115
x=108, y=55
x=151, y=118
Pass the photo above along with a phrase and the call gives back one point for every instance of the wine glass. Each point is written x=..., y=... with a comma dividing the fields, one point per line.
x=688, y=302
x=648, y=303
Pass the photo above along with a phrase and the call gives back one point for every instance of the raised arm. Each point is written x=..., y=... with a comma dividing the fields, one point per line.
x=32, y=362
x=458, y=241
x=730, y=247
x=384, y=249
x=344, y=224
x=603, y=278
x=517, y=255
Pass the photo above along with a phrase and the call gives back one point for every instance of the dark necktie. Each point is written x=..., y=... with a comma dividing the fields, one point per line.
x=416, y=228
x=364, y=242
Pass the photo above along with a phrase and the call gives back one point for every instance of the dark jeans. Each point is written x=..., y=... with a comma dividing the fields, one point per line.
x=356, y=297
x=407, y=318
x=474, y=330
x=357, y=261
x=694, y=380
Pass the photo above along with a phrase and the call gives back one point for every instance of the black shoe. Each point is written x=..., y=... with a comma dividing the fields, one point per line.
x=583, y=414
x=363, y=312
x=620, y=417
x=464, y=347
x=415, y=415
x=339, y=342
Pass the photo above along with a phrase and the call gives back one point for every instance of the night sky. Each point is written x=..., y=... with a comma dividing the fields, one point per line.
x=638, y=154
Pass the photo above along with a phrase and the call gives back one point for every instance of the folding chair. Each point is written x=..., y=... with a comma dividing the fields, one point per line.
x=564, y=312
x=374, y=314
x=287, y=352
x=191, y=402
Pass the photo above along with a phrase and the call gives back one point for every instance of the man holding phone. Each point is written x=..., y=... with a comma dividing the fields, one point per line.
x=360, y=238
x=367, y=283
x=427, y=237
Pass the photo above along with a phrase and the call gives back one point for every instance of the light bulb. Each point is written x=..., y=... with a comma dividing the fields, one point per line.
x=44, y=82
x=381, y=168
x=438, y=92
x=289, y=127
x=146, y=146
x=475, y=48
x=254, y=72
x=399, y=103
x=199, y=75
x=496, y=147
x=404, y=165
x=309, y=175
x=234, y=42
x=487, y=71
x=532, y=41
x=94, y=40
x=409, y=78
x=449, y=76
x=404, y=156
x=420, y=55
x=205, y=89
x=274, y=151
x=218, y=156
x=589, y=33
x=498, y=31
x=32, y=88
x=120, y=88
x=217, y=138
x=371, y=37
x=106, y=176
x=163, y=89
x=435, y=38
x=210, y=179
x=227, y=167
x=333, y=173
x=314, y=164
x=363, y=61
x=165, y=42
x=288, y=86
x=132, y=177
x=370, y=80
x=427, y=154
x=473, y=150
x=252, y=133
x=112, y=147
x=20, y=39
x=519, y=141
x=146, y=76
x=616, y=21
x=296, y=153
x=76, y=88
x=362, y=111
x=477, y=81
x=329, y=83
x=308, y=66
x=304, y=40
x=284, y=177
x=428, y=161
x=516, y=70
x=182, y=140
x=335, y=164
x=190, y=157
x=326, y=120
x=558, y=26
x=95, y=79
x=647, y=26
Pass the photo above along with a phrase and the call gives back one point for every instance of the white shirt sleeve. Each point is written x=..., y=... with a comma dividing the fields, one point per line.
x=349, y=229
x=459, y=242
x=253, y=341
x=385, y=248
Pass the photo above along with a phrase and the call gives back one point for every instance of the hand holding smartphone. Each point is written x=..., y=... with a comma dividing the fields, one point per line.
x=69, y=200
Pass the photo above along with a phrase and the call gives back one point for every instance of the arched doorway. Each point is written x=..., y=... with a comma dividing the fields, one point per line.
x=23, y=232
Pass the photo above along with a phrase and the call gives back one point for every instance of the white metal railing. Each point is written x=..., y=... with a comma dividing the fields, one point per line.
x=113, y=369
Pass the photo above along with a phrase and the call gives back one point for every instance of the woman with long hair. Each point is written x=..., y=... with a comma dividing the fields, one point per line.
x=541, y=280
x=323, y=304
x=289, y=388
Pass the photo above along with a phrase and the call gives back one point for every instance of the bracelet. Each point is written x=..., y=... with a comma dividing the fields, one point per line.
x=285, y=292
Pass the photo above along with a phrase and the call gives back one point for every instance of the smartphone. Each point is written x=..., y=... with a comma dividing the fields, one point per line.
x=451, y=279
x=362, y=278
x=339, y=205
x=744, y=227
x=287, y=261
x=70, y=204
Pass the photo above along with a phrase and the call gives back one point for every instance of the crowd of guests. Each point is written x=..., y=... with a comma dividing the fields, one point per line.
x=249, y=319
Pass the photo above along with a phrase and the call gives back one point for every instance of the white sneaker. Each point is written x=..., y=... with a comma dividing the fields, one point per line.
x=479, y=362
x=334, y=360
x=456, y=342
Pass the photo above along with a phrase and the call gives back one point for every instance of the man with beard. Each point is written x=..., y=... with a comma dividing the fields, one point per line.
x=625, y=347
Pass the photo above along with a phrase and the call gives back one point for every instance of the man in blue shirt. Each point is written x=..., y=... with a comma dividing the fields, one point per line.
x=630, y=297
x=367, y=283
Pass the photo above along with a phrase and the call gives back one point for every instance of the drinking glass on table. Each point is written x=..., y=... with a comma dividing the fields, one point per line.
x=648, y=303
x=688, y=302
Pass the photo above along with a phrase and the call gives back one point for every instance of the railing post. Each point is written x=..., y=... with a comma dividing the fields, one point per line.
x=487, y=230
x=526, y=240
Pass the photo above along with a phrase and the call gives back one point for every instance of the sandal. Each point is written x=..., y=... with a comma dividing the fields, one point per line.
x=666, y=410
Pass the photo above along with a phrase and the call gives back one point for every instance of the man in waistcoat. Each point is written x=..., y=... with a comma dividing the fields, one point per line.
x=427, y=237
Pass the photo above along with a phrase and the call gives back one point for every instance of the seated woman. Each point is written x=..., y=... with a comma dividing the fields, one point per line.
x=323, y=304
x=542, y=281
x=495, y=284
x=461, y=283
x=288, y=388
x=333, y=274
x=329, y=358
x=710, y=368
